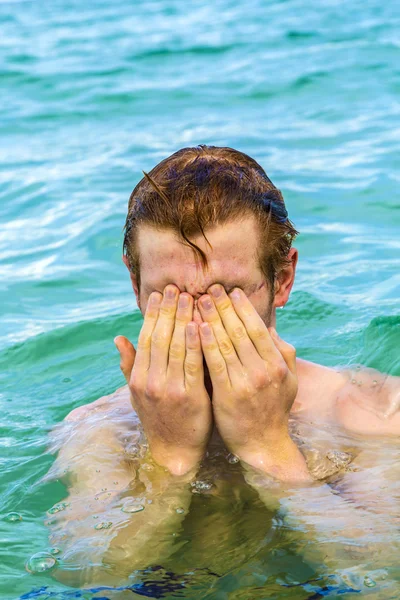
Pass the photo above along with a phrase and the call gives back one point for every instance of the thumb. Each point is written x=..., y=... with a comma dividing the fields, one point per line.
x=287, y=350
x=127, y=354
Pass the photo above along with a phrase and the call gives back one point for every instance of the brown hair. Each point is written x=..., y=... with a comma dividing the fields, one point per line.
x=203, y=186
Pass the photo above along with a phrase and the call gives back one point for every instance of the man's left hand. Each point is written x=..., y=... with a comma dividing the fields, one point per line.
x=254, y=379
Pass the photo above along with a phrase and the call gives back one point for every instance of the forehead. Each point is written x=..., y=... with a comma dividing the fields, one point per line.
x=232, y=257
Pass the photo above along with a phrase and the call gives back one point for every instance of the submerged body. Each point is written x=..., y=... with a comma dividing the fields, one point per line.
x=105, y=459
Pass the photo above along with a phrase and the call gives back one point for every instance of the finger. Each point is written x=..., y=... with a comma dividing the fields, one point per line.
x=255, y=326
x=194, y=370
x=214, y=359
x=177, y=347
x=232, y=324
x=162, y=333
x=287, y=350
x=127, y=354
x=142, y=360
x=210, y=314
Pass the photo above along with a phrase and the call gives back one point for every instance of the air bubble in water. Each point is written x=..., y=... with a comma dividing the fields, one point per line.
x=369, y=582
x=13, y=517
x=132, y=508
x=198, y=486
x=54, y=551
x=180, y=511
x=57, y=508
x=103, y=525
x=232, y=459
x=40, y=562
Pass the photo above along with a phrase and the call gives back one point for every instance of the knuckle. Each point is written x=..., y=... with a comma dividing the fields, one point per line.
x=260, y=380
x=226, y=347
x=176, y=393
x=218, y=367
x=167, y=310
x=280, y=370
x=239, y=332
x=144, y=342
x=176, y=350
x=258, y=332
x=153, y=390
x=191, y=368
x=291, y=350
x=159, y=338
x=135, y=383
x=225, y=306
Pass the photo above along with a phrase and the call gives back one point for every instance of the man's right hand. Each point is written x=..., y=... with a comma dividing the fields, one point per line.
x=167, y=381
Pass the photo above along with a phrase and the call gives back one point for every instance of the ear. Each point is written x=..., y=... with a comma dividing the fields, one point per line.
x=134, y=281
x=285, y=280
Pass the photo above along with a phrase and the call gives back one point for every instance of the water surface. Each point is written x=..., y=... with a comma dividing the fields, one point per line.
x=93, y=94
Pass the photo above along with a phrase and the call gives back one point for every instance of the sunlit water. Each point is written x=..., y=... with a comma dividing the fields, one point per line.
x=91, y=94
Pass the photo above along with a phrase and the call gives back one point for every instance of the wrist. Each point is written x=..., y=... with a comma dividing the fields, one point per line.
x=178, y=461
x=279, y=457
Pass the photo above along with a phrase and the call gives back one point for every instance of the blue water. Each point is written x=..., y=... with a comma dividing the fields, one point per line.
x=93, y=93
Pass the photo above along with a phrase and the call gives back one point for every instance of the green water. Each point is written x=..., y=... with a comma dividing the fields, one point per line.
x=93, y=93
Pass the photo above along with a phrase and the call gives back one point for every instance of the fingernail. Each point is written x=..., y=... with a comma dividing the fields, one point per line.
x=206, y=329
x=115, y=340
x=216, y=291
x=183, y=301
x=235, y=294
x=170, y=293
x=206, y=303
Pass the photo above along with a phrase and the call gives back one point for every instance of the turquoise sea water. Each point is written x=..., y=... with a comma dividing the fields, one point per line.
x=93, y=93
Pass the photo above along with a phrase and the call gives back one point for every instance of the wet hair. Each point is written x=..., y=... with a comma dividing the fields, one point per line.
x=200, y=187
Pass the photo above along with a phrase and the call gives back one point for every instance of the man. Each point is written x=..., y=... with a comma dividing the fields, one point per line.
x=208, y=245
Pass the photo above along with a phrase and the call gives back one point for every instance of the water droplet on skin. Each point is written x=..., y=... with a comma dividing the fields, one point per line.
x=97, y=470
x=369, y=582
x=353, y=381
x=132, y=508
x=359, y=383
x=54, y=551
x=180, y=511
x=57, y=508
x=103, y=525
x=115, y=482
x=40, y=562
x=13, y=517
x=358, y=368
x=103, y=489
x=374, y=383
x=95, y=516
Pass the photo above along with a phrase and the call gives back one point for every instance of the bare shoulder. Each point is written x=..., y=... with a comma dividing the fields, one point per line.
x=318, y=387
x=119, y=399
x=360, y=399
x=369, y=402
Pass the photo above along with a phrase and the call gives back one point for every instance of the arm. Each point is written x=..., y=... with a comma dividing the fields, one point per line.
x=343, y=540
x=254, y=379
x=166, y=384
x=100, y=542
